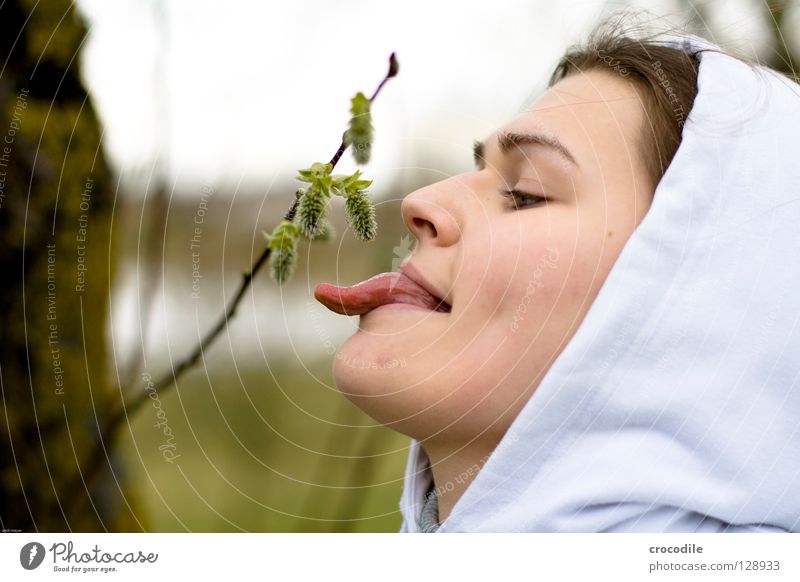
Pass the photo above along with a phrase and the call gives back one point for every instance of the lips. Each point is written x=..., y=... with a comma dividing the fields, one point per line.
x=406, y=286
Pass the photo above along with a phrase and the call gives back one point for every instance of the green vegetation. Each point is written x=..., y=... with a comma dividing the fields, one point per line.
x=267, y=451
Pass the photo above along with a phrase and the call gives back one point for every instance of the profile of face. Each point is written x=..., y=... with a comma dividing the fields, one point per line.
x=520, y=274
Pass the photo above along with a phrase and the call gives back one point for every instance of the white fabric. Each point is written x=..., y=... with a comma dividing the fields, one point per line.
x=417, y=482
x=676, y=405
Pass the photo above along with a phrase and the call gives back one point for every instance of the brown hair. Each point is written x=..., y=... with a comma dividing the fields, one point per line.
x=665, y=76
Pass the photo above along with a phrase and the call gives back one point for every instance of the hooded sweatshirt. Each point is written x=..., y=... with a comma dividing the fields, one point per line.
x=675, y=407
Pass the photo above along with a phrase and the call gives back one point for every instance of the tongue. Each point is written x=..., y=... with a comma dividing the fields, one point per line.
x=376, y=291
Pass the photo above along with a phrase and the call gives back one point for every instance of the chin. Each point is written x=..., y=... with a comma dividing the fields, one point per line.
x=378, y=383
x=359, y=372
x=391, y=395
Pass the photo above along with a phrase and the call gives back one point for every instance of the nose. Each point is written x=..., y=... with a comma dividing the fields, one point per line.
x=432, y=215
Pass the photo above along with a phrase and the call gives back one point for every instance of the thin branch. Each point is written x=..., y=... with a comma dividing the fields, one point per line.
x=108, y=430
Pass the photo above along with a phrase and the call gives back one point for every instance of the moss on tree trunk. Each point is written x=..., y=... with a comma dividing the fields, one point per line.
x=56, y=197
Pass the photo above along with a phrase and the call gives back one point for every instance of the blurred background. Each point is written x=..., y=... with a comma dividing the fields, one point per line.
x=146, y=144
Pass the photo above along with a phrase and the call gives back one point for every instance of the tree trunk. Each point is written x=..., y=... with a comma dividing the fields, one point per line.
x=55, y=213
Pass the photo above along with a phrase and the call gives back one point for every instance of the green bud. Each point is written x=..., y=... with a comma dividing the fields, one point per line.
x=282, y=264
x=359, y=135
x=318, y=175
x=283, y=243
x=344, y=185
x=311, y=212
x=361, y=215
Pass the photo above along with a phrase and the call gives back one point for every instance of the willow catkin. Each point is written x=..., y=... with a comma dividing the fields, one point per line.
x=359, y=134
x=311, y=212
x=283, y=247
x=361, y=215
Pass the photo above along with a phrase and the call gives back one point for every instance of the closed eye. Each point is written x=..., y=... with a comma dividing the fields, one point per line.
x=524, y=200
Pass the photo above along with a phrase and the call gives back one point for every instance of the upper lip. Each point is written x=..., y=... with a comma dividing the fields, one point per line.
x=412, y=273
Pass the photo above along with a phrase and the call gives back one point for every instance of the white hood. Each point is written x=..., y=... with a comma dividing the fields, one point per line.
x=676, y=405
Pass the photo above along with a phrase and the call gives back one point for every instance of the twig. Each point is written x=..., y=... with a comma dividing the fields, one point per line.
x=113, y=421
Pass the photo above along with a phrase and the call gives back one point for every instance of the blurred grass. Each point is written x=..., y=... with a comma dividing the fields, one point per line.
x=266, y=443
x=265, y=454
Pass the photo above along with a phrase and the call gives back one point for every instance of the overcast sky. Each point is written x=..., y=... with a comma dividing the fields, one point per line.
x=237, y=89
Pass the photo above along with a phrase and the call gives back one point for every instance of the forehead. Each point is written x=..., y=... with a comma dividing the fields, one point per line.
x=589, y=104
x=587, y=94
x=586, y=99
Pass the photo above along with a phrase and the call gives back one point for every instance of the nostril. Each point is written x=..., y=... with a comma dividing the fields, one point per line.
x=424, y=226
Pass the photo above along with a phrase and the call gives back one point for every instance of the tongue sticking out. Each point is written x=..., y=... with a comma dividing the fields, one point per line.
x=376, y=291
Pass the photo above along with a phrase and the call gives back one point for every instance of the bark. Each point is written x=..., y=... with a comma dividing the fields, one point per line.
x=55, y=214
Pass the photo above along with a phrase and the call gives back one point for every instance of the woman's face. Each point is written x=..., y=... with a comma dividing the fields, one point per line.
x=519, y=279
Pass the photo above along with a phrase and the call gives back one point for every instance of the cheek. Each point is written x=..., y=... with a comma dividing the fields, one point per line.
x=583, y=267
x=520, y=275
x=502, y=265
x=546, y=296
x=540, y=295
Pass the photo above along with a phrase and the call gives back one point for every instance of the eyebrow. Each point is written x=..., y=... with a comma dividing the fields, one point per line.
x=510, y=140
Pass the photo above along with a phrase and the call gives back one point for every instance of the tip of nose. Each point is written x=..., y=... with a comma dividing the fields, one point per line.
x=431, y=218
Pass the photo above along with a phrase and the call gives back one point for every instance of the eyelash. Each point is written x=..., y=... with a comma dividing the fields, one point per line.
x=516, y=195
